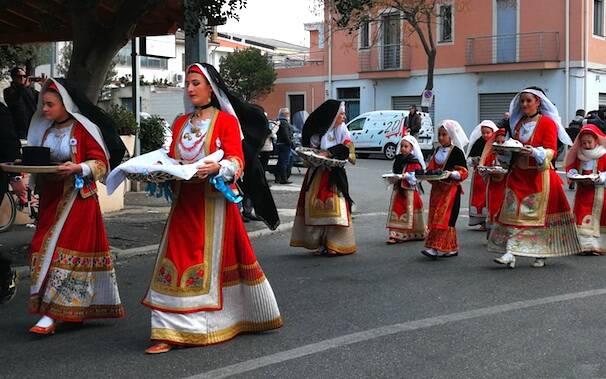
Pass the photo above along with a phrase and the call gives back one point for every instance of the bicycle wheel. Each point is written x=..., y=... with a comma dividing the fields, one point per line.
x=8, y=212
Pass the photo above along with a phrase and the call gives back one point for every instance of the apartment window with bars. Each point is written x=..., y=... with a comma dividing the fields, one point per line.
x=365, y=35
x=598, y=18
x=445, y=23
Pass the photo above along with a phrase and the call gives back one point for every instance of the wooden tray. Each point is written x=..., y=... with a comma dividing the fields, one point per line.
x=513, y=149
x=311, y=156
x=18, y=168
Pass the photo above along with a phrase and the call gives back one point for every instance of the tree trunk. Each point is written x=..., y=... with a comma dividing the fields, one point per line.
x=89, y=64
x=431, y=62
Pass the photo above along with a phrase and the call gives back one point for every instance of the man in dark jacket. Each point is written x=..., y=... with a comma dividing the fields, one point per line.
x=412, y=122
x=284, y=142
x=22, y=99
x=9, y=151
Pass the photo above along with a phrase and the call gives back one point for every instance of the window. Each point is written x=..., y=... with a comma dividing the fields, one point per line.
x=351, y=97
x=445, y=23
x=598, y=17
x=357, y=124
x=365, y=35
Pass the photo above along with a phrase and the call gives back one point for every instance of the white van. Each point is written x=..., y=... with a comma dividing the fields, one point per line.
x=380, y=132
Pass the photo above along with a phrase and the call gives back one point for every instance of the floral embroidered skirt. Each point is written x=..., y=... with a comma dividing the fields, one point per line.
x=73, y=278
x=405, y=218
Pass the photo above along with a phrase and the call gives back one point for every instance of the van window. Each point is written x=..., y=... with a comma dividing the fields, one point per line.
x=357, y=124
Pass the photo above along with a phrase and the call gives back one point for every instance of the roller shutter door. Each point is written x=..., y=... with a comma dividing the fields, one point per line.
x=493, y=105
x=602, y=100
x=402, y=103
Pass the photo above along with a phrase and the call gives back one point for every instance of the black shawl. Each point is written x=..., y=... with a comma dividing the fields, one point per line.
x=255, y=130
x=318, y=122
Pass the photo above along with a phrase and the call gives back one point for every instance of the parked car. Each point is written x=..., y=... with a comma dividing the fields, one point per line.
x=380, y=131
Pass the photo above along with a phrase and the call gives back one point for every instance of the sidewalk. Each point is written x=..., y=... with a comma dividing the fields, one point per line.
x=138, y=228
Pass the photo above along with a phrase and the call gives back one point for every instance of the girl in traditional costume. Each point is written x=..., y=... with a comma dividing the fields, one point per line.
x=445, y=197
x=588, y=156
x=72, y=273
x=495, y=183
x=405, y=217
x=207, y=285
x=323, y=218
x=478, y=209
x=535, y=219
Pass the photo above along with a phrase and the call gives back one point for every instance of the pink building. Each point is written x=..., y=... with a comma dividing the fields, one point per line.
x=487, y=50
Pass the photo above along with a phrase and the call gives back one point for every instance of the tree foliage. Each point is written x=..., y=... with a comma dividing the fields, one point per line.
x=98, y=38
x=152, y=133
x=27, y=56
x=125, y=121
x=248, y=73
x=419, y=15
x=64, y=60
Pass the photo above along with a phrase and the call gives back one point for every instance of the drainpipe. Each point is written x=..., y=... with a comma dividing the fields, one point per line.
x=567, y=69
x=329, y=52
x=586, y=54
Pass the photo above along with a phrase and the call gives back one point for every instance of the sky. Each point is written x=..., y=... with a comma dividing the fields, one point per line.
x=279, y=19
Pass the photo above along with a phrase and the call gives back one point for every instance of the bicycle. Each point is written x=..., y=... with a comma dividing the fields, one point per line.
x=12, y=204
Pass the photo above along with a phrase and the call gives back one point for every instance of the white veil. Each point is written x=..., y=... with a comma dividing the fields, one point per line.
x=547, y=108
x=456, y=133
x=416, y=151
x=476, y=134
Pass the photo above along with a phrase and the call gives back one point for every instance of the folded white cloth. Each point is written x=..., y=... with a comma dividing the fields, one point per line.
x=156, y=161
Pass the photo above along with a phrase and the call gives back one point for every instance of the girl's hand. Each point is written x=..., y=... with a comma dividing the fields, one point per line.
x=69, y=168
x=526, y=150
x=208, y=168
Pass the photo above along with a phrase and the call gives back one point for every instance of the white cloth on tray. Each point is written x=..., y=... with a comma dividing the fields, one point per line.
x=156, y=161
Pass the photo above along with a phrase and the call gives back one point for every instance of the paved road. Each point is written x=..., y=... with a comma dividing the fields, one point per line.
x=385, y=311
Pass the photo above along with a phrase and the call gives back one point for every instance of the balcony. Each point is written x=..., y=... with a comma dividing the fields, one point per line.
x=297, y=60
x=542, y=48
x=384, y=58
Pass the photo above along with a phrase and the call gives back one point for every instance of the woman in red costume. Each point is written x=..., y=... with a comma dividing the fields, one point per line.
x=72, y=274
x=588, y=157
x=535, y=219
x=207, y=285
x=478, y=209
x=445, y=196
x=405, y=216
x=495, y=183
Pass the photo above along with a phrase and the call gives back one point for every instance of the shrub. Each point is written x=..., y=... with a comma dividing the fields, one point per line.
x=124, y=119
x=152, y=133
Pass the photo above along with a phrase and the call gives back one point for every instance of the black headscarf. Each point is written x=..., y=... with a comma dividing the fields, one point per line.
x=255, y=130
x=320, y=120
x=113, y=142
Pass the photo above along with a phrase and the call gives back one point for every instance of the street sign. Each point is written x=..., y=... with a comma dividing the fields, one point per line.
x=427, y=98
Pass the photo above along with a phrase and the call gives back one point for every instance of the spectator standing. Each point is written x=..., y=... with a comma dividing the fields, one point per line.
x=22, y=99
x=268, y=146
x=504, y=123
x=283, y=145
x=9, y=151
x=412, y=122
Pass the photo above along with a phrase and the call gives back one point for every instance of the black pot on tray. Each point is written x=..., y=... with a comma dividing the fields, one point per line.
x=36, y=156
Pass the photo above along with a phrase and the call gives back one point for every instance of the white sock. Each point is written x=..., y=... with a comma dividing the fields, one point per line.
x=45, y=322
x=507, y=257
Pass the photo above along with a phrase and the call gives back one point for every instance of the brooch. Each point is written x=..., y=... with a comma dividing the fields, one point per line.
x=73, y=141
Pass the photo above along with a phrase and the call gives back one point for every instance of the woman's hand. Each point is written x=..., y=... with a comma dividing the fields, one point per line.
x=69, y=168
x=526, y=150
x=208, y=168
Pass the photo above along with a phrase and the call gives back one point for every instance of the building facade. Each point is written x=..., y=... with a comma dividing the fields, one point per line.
x=487, y=50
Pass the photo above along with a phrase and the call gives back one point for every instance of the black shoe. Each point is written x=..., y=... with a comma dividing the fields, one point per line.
x=9, y=287
x=285, y=181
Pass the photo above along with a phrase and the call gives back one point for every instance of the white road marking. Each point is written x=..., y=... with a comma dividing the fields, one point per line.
x=388, y=330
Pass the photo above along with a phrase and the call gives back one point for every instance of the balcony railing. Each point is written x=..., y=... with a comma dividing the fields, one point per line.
x=384, y=58
x=297, y=60
x=514, y=48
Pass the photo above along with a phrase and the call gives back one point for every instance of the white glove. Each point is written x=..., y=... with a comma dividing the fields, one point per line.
x=410, y=178
x=573, y=171
x=455, y=175
x=601, y=180
x=539, y=155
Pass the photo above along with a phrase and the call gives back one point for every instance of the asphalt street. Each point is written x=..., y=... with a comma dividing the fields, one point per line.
x=386, y=311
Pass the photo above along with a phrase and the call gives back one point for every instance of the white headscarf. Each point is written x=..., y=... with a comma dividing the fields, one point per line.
x=476, y=134
x=456, y=133
x=39, y=124
x=546, y=107
x=416, y=149
x=221, y=96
